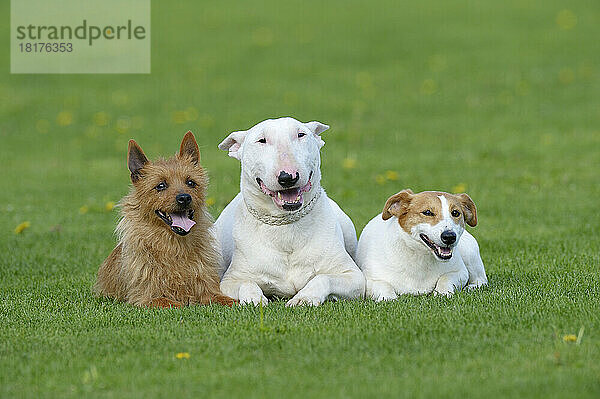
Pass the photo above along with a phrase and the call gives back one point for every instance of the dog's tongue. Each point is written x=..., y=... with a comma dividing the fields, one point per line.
x=180, y=219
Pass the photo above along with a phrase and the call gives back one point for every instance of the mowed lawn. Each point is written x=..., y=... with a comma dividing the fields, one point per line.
x=498, y=99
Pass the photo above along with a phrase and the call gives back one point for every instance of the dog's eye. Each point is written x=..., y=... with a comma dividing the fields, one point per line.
x=161, y=186
x=191, y=183
x=427, y=213
x=262, y=141
x=455, y=213
x=301, y=134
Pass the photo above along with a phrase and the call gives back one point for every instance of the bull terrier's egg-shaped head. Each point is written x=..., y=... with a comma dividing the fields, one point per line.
x=280, y=158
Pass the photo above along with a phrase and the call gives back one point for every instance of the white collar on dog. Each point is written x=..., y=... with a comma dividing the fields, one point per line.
x=291, y=217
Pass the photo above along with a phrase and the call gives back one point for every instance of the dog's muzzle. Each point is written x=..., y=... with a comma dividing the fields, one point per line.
x=180, y=222
x=444, y=253
x=290, y=199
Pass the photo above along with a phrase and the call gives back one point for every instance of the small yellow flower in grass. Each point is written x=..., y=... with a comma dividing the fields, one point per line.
x=101, y=118
x=92, y=132
x=380, y=179
x=109, y=206
x=522, y=88
x=64, y=118
x=182, y=355
x=428, y=87
x=566, y=76
x=210, y=201
x=21, y=227
x=459, y=188
x=178, y=117
x=391, y=175
x=120, y=98
x=349, y=163
x=123, y=124
x=84, y=209
x=566, y=19
x=570, y=338
x=191, y=114
x=585, y=70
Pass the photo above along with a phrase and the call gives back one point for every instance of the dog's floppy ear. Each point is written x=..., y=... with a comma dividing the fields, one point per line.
x=189, y=148
x=469, y=209
x=136, y=160
x=395, y=204
x=233, y=142
x=317, y=128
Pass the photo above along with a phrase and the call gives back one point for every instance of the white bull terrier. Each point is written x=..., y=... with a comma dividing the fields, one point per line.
x=419, y=245
x=281, y=235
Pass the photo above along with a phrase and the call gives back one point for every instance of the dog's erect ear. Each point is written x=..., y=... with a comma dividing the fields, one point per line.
x=233, y=142
x=469, y=209
x=189, y=148
x=317, y=128
x=395, y=204
x=136, y=160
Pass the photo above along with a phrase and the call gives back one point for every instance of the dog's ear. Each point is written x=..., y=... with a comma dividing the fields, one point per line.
x=233, y=142
x=317, y=128
x=136, y=160
x=396, y=203
x=189, y=148
x=469, y=209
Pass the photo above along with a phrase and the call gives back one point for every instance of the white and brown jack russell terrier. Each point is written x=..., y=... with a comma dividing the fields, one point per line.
x=419, y=245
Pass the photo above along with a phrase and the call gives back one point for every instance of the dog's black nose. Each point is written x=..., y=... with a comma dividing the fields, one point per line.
x=287, y=180
x=448, y=237
x=183, y=199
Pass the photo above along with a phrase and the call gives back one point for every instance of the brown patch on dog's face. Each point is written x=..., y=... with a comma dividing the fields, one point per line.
x=425, y=207
x=169, y=192
x=413, y=209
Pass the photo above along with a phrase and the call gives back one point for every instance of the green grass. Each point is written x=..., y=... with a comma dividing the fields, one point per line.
x=491, y=95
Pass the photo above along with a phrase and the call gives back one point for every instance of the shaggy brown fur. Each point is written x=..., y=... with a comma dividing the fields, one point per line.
x=153, y=265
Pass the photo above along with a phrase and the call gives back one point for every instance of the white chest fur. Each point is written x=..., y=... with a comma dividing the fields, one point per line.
x=281, y=259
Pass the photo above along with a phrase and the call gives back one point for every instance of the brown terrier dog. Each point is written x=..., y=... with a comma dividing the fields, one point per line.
x=166, y=255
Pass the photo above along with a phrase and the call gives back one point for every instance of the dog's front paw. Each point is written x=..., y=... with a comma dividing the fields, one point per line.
x=384, y=297
x=447, y=292
x=251, y=293
x=254, y=299
x=164, y=303
x=381, y=291
x=225, y=300
x=478, y=283
x=302, y=299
